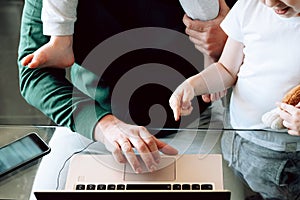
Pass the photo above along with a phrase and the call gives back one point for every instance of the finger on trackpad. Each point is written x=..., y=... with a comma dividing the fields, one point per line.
x=166, y=171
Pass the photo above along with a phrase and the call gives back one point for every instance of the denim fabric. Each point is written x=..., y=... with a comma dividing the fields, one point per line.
x=273, y=174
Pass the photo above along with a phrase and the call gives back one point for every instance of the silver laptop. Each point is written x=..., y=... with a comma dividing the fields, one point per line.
x=93, y=176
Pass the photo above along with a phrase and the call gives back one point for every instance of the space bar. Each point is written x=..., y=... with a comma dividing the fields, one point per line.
x=148, y=187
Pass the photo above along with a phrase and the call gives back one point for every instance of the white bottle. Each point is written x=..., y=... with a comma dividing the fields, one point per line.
x=201, y=9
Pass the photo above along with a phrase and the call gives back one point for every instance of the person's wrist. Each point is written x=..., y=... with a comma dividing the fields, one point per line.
x=191, y=82
x=198, y=84
x=102, y=125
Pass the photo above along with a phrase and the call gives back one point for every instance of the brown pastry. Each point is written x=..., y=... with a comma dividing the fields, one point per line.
x=272, y=118
x=293, y=96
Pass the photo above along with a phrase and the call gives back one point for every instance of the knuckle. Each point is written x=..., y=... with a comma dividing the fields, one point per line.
x=126, y=148
x=187, y=30
x=150, y=142
x=115, y=151
x=142, y=128
x=142, y=147
x=188, y=24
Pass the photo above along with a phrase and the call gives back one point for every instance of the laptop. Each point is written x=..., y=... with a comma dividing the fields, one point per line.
x=94, y=176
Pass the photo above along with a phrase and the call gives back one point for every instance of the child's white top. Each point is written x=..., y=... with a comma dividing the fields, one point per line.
x=59, y=16
x=271, y=65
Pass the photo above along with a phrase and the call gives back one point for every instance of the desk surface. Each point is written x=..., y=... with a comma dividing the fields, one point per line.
x=19, y=185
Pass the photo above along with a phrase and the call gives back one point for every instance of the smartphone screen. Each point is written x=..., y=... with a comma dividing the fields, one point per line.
x=21, y=152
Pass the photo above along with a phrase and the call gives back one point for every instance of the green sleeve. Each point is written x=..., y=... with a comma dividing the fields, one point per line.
x=48, y=89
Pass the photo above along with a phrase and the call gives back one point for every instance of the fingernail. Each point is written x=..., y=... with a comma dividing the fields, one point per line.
x=175, y=117
x=153, y=168
x=157, y=160
x=138, y=170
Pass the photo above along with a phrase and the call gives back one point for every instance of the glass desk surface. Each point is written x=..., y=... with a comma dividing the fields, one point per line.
x=18, y=185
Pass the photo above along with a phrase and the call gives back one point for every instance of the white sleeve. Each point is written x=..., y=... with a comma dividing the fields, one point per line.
x=232, y=24
x=59, y=16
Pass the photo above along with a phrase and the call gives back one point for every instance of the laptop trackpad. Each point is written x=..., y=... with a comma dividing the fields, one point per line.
x=166, y=171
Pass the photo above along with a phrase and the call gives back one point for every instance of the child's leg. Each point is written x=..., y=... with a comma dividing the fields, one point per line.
x=58, y=52
x=273, y=174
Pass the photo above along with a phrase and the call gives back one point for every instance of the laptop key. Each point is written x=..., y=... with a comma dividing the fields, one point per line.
x=148, y=187
x=101, y=187
x=120, y=187
x=80, y=187
x=176, y=187
x=111, y=187
x=90, y=187
x=206, y=187
x=186, y=186
x=195, y=186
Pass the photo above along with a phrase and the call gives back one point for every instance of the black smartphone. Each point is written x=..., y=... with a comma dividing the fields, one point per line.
x=22, y=152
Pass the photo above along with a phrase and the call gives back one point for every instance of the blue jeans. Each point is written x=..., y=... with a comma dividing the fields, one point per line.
x=275, y=175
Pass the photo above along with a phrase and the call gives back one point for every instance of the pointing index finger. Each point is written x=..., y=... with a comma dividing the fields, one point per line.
x=175, y=106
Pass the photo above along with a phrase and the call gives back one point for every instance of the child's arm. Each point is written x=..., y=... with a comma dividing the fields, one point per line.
x=209, y=38
x=217, y=77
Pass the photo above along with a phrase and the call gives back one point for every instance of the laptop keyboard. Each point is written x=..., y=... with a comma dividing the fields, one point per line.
x=131, y=187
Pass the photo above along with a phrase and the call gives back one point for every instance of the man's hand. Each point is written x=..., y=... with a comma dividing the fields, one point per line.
x=208, y=36
x=121, y=139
